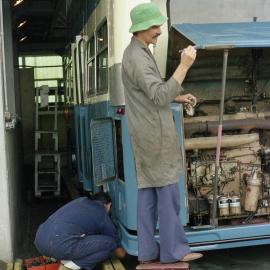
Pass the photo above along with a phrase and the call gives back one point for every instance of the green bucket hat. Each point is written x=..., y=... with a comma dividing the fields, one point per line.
x=144, y=16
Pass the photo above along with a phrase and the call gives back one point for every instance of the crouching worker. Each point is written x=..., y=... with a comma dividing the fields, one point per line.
x=80, y=234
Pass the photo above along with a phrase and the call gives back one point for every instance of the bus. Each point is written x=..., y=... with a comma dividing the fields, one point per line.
x=225, y=187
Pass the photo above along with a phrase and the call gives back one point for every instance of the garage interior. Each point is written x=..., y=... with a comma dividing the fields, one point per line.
x=36, y=37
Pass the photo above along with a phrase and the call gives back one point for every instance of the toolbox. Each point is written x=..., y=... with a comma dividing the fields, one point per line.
x=41, y=263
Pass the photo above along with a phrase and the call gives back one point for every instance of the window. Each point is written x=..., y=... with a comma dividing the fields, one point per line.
x=47, y=69
x=91, y=48
x=91, y=67
x=91, y=78
x=68, y=80
x=102, y=59
x=97, y=62
x=102, y=73
x=102, y=37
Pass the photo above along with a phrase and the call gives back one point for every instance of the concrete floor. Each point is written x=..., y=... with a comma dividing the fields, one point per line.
x=249, y=258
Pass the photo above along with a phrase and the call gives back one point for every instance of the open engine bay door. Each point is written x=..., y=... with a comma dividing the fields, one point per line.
x=231, y=81
x=103, y=147
x=218, y=35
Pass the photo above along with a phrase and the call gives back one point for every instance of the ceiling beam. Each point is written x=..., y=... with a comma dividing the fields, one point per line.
x=42, y=47
x=34, y=8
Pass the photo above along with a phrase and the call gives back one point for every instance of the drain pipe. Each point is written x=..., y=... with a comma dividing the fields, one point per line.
x=81, y=67
x=2, y=62
x=214, y=220
x=10, y=118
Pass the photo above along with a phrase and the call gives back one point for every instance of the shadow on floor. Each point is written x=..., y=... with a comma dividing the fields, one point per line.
x=36, y=212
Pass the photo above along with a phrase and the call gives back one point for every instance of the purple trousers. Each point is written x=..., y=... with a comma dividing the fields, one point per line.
x=160, y=204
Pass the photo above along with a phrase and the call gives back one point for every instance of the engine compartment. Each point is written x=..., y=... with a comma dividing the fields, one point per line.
x=244, y=167
x=243, y=179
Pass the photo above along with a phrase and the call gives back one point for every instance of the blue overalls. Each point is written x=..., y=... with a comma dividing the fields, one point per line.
x=80, y=231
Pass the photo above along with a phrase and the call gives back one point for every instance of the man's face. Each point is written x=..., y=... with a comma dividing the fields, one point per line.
x=150, y=35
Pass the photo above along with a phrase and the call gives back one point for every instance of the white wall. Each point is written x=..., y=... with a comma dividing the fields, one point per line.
x=9, y=143
x=121, y=36
x=121, y=24
x=215, y=11
x=160, y=51
x=5, y=226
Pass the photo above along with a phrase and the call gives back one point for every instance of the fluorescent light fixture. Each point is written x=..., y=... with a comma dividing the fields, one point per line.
x=23, y=38
x=21, y=24
x=17, y=2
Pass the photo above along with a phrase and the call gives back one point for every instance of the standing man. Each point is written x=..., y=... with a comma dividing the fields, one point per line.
x=80, y=234
x=154, y=139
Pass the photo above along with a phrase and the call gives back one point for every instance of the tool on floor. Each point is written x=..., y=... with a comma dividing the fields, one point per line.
x=41, y=263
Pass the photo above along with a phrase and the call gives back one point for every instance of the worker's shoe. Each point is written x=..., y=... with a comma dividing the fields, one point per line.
x=191, y=257
x=62, y=267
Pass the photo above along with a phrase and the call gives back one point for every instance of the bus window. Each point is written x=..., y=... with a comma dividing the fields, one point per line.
x=102, y=73
x=91, y=78
x=102, y=37
x=102, y=59
x=91, y=51
x=76, y=76
x=91, y=67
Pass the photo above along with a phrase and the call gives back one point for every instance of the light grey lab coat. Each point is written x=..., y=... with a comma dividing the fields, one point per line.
x=153, y=135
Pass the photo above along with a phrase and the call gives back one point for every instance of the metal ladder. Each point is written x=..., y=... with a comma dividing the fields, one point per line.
x=47, y=156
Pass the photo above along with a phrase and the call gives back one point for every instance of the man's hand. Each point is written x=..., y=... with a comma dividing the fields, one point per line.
x=188, y=57
x=120, y=252
x=188, y=98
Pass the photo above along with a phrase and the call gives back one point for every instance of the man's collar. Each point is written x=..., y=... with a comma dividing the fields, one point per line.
x=138, y=43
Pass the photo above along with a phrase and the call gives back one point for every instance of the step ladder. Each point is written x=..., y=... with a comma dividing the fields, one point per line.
x=163, y=266
x=47, y=156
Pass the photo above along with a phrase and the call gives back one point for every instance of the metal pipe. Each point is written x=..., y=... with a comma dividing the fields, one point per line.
x=211, y=47
x=244, y=125
x=239, y=115
x=81, y=68
x=2, y=59
x=228, y=141
x=214, y=220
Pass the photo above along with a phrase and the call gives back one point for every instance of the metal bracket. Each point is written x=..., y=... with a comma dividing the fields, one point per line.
x=11, y=120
